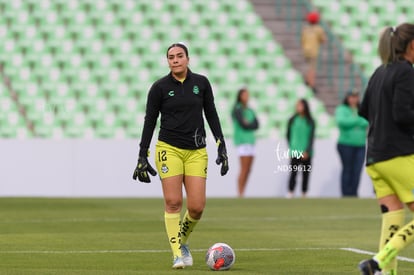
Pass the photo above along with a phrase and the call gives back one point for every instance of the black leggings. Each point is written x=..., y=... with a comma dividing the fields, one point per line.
x=296, y=165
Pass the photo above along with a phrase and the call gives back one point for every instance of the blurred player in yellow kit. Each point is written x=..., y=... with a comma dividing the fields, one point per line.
x=388, y=105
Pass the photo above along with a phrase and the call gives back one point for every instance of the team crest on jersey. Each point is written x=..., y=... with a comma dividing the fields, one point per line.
x=164, y=168
x=196, y=90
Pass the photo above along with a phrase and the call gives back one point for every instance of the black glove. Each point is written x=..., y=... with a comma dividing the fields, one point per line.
x=142, y=169
x=222, y=157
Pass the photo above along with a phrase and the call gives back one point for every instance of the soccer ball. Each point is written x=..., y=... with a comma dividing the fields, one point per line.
x=220, y=256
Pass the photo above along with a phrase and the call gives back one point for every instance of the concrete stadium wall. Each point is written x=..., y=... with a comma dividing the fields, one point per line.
x=103, y=168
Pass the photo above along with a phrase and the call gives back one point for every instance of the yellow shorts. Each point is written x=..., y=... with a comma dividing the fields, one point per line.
x=394, y=177
x=173, y=161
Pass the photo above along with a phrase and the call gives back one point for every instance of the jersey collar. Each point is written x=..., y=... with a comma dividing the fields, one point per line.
x=188, y=76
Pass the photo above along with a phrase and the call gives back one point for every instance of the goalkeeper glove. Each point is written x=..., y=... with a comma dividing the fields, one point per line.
x=142, y=169
x=222, y=157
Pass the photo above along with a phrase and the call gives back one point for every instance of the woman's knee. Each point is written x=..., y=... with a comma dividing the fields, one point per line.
x=410, y=205
x=173, y=205
x=196, y=211
x=390, y=203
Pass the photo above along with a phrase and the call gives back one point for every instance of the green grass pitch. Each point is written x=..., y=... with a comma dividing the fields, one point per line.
x=127, y=236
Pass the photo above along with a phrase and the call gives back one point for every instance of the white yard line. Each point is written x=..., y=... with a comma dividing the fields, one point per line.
x=114, y=251
x=151, y=250
x=360, y=251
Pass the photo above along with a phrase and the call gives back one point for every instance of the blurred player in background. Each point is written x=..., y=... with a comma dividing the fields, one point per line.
x=388, y=105
x=313, y=36
x=245, y=123
x=351, y=143
x=181, y=156
x=300, y=135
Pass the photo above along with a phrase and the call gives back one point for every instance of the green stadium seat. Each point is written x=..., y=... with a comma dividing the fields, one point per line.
x=11, y=124
x=7, y=106
x=46, y=127
x=107, y=126
x=76, y=128
x=133, y=131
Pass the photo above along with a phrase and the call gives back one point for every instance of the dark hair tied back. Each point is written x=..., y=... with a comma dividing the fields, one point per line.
x=180, y=45
x=393, y=42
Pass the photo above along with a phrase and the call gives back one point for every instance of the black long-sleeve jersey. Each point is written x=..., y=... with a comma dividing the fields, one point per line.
x=181, y=105
x=388, y=105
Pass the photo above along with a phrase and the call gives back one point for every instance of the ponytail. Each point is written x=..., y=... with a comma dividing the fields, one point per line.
x=393, y=42
x=385, y=46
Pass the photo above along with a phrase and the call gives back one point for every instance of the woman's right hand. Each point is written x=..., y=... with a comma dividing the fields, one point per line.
x=142, y=169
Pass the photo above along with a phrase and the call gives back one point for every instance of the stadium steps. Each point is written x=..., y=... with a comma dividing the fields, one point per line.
x=285, y=19
x=11, y=130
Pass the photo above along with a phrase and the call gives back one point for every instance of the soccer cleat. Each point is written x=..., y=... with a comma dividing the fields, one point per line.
x=187, y=258
x=369, y=267
x=178, y=263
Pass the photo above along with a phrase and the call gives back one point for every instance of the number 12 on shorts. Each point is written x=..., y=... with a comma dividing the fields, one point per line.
x=162, y=155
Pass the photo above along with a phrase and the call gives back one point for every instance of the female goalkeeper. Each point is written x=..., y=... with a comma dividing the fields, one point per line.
x=180, y=154
x=388, y=106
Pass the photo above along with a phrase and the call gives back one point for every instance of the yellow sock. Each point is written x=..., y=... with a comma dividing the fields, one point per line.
x=172, y=226
x=391, y=223
x=403, y=238
x=187, y=226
